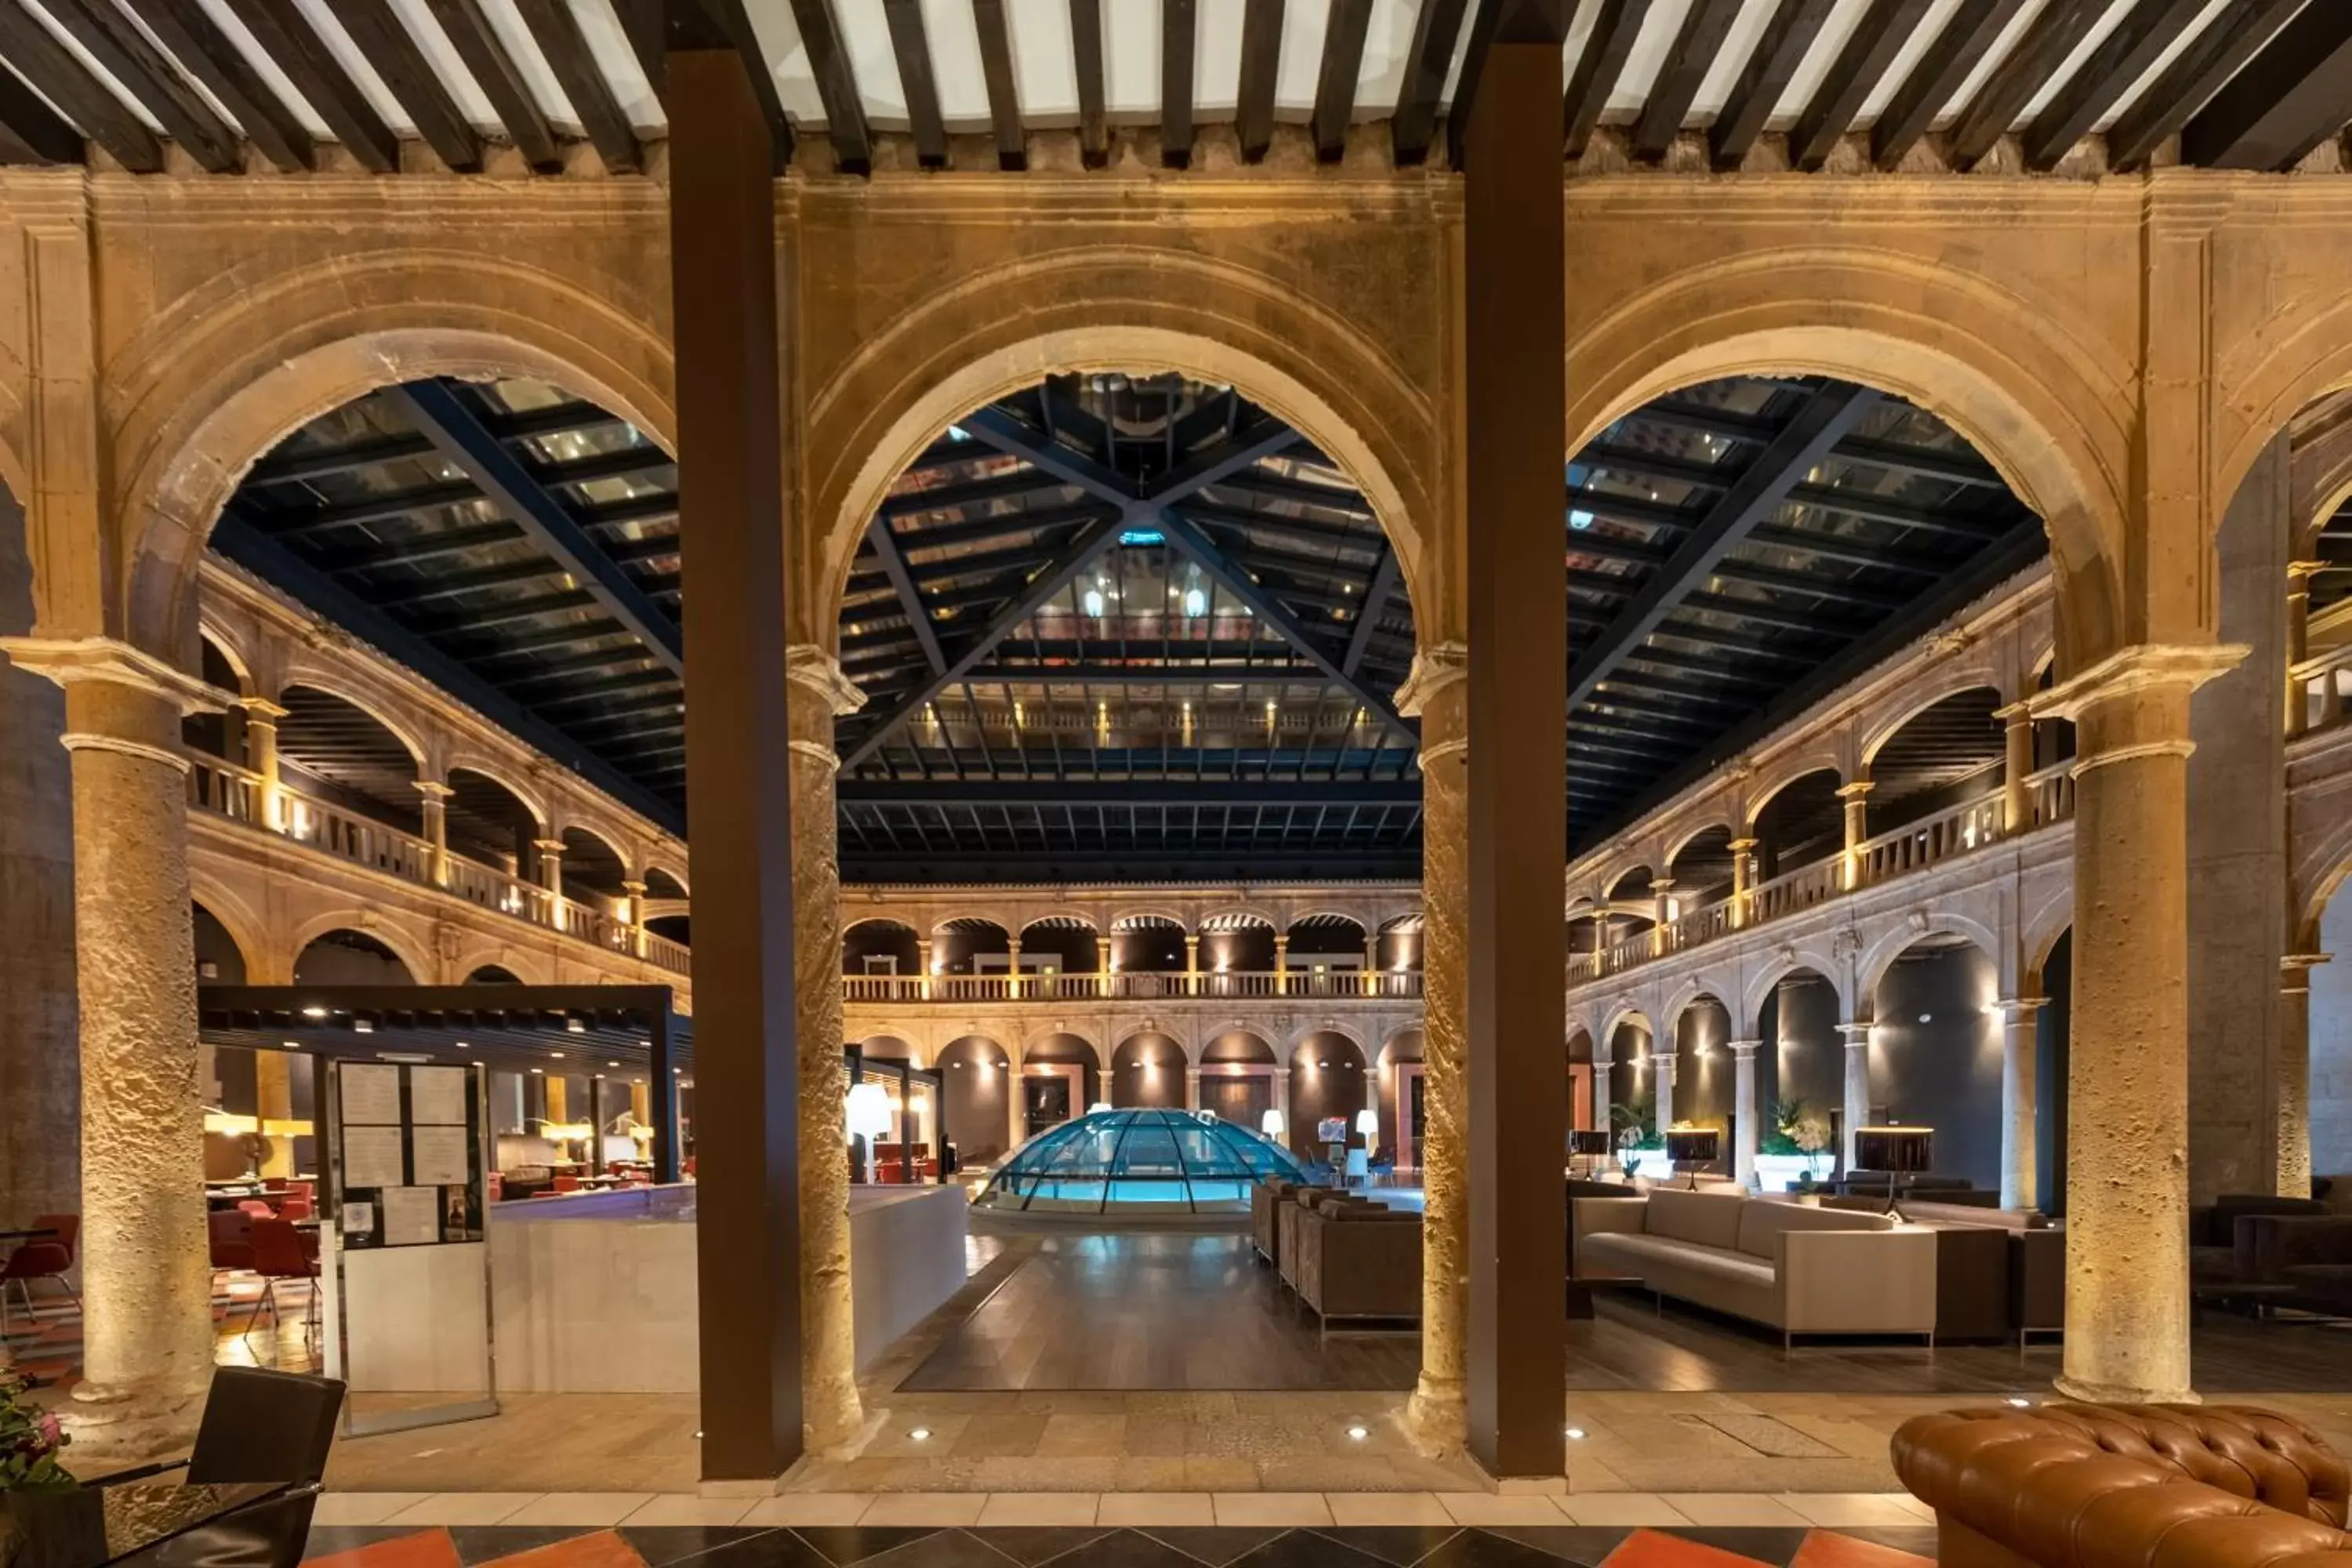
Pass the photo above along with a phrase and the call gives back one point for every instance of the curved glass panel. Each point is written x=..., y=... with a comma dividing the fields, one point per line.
x=1184, y=1161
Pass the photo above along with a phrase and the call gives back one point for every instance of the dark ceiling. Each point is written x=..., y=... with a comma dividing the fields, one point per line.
x=1126, y=629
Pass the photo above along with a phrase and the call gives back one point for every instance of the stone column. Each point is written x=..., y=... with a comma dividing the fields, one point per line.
x=1746, y=1116
x=2017, y=766
x=40, y=1097
x=146, y=1280
x=1281, y=1087
x=273, y=1101
x=1662, y=904
x=1104, y=985
x=261, y=716
x=1371, y=986
x=1192, y=964
x=550, y=873
x=1013, y=984
x=1438, y=1413
x=634, y=914
x=1857, y=1083
x=435, y=810
x=2291, y=1099
x=2019, y=1020
x=1191, y=1089
x=1662, y=1087
x=1016, y=1121
x=2128, y=1099
x=922, y=966
x=818, y=693
x=2299, y=575
x=1857, y=828
x=1282, y=964
x=1743, y=862
x=1603, y=1064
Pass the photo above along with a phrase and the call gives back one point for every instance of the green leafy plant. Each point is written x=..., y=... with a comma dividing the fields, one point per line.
x=30, y=1439
x=1635, y=1124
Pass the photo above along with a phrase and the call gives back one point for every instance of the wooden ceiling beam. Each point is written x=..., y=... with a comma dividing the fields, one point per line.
x=1696, y=42
x=124, y=53
x=30, y=131
x=911, y=45
x=286, y=35
x=1179, y=27
x=1949, y=61
x=2122, y=57
x=413, y=81
x=1853, y=77
x=494, y=70
x=2288, y=100
x=2049, y=39
x=1004, y=87
x=1261, y=59
x=1086, y=46
x=1335, y=79
x=1614, y=27
x=206, y=53
x=557, y=32
x=2194, y=75
x=1436, y=31
x=65, y=81
x=1787, y=39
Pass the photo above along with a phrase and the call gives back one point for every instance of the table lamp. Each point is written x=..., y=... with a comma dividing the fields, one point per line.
x=1588, y=1144
x=1271, y=1124
x=1898, y=1151
x=1691, y=1148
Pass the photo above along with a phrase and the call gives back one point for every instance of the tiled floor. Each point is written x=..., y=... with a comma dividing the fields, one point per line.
x=818, y=1538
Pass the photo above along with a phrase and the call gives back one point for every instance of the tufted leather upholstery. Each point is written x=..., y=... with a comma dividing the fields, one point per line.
x=2128, y=1486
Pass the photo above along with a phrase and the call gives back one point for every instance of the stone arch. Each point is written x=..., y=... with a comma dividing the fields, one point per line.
x=1783, y=964
x=1618, y=871
x=1118, y=921
x=1154, y=310
x=1777, y=775
x=1135, y=1076
x=239, y=365
x=1391, y=1036
x=234, y=649
x=1688, y=994
x=2052, y=920
x=1300, y=1034
x=400, y=726
x=469, y=761
x=1621, y=1014
x=1684, y=839
x=590, y=830
x=416, y=956
x=2048, y=407
x=1945, y=684
x=662, y=866
x=1880, y=955
x=2301, y=354
x=237, y=924
x=1213, y=1035
x=527, y=968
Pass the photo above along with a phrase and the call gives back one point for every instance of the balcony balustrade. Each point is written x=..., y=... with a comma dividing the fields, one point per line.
x=225, y=789
x=1904, y=851
x=2322, y=680
x=1137, y=986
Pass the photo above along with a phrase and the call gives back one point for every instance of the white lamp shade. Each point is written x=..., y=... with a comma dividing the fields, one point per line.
x=1097, y=1107
x=868, y=1112
x=1367, y=1121
x=1271, y=1123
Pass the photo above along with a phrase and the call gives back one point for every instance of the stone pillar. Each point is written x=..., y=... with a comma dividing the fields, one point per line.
x=40, y=1096
x=1372, y=964
x=261, y=716
x=1743, y=863
x=551, y=867
x=2299, y=575
x=1603, y=1064
x=1191, y=1089
x=1192, y=964
x=1857, y=828
x=1015, y=986
x=1438, y=1413
x=818, y=693
x=634, y=914
x=435, y=809
x=2128, y=1077
x=1104, y=986
x=146, y=1280
x=273, y=1101
x=1661, y=905
x=1747, y=1117
x=2238, y=875
x=1662, y=1087
x=2292, y=1096
x=1857, y=1083
x=1281, y=1086
x=2017, y=766
x=2019, y=1021
x=1016, y=1119
x=1282, y=964
x=922, y=965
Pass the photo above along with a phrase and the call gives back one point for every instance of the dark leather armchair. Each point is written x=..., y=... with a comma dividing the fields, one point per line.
x=2087, y=1485
x=258, y=1425
x=1360, y=1261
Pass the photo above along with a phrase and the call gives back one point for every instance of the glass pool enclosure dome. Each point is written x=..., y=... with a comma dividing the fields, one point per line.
x=1171, y=1160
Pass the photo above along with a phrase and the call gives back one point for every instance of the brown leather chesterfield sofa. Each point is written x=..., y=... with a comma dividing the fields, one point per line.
x=2106, y=1486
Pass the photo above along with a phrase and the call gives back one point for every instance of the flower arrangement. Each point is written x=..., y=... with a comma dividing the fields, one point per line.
x=1635, y=1124
x=29, y=1441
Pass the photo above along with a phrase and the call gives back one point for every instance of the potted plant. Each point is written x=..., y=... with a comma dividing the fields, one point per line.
x=1791, y=1155
x=43, y=1509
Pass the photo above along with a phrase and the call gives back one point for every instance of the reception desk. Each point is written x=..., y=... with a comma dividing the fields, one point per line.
x=596, y=1292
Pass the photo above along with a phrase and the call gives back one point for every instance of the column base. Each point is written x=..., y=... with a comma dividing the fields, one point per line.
x=845, y=1442
x=1437, y=1418
x=121, y=1424
x=2117, y=1393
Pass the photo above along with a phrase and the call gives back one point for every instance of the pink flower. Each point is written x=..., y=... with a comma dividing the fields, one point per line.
x=50, y=1431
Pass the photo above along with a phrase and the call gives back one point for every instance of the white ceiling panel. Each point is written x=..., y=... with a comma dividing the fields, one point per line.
x=1044, y=58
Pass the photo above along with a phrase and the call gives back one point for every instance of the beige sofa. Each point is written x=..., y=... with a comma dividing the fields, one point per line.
x=1799, y=1269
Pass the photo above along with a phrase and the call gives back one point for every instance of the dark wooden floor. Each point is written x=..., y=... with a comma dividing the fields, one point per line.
x=1189, y=1312
x=1154, y=1312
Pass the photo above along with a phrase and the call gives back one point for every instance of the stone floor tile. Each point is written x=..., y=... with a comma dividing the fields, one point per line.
x=362, y=1508
x=592, y=1508
x=692, y=1510
x=1490, y=1507
x=1083, y=1434
x=1732, y=1508
x=1850, y=1507
x=1160, y=1508
x=1013, y=1437
x=943, y=1508
x=1386, y=1508
x=1272, y=1509
x=1039, y=1508
x=809, y=1508
x=1619, y=1507
x=463, y=1508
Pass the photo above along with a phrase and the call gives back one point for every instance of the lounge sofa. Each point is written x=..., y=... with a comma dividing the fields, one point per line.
x=1358, y=1261
x=1794, y=1267
x=2213, y=1253
x=2031, y=1281
x=2090, y=1486
x=1287, y=1213
x=2310, y=1253
x=1263, y=1198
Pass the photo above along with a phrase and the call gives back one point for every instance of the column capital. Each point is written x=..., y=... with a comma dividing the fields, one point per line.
x=1857, y=1036
x=1434, y=667
x=1743, y=844
x=1745, y=1050
x=813, y=667
x=2017, y=1010
x=547, y=845
x=434, y=791
x=1664, y=1058
x=2129, y=671
x=261, y=710
x=71, y=661
x=1855, y=790
x=2018, y=712
x=2294, y=972
x=1662, y=884
x=635, y=890
x=2299, y=575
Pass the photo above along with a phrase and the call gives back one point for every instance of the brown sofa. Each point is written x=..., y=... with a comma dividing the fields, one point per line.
x=1287, y=1213
x=1263, y=1199
x=2213, y=1256
x=1794, y=1267
x=1359, y=1261
x=2030, y=1281
x=2312, y=1253
x=2150, y=1486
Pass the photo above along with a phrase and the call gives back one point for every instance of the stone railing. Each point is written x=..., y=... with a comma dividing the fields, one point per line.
x=225, y=789
x=1888, y=856
x=2321, y=679
x=1137, y=985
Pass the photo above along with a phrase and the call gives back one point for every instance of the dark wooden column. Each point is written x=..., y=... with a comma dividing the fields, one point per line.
x=1515, y=380
x=732, y=531
x=662, y=1095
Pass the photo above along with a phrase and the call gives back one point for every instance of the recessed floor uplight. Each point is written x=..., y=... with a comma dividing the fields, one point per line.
x=1360, y=1433
x=920, y=1434
x=314, y=1011
x=2022, y=1404
x=1576, y=1434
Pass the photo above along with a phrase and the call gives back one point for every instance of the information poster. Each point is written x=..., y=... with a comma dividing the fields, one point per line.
x=409, y=1164
x=371, y=1156
x=371, y=1093
x=438, y=1156
x=437, y=1097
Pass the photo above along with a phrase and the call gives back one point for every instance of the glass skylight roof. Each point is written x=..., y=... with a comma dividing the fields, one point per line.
x=1169, y=1161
